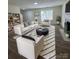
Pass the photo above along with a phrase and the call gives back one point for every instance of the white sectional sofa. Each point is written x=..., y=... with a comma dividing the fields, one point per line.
x=28, y=48
x=20, y=29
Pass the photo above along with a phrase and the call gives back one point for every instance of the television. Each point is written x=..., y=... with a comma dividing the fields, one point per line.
x=67, y=9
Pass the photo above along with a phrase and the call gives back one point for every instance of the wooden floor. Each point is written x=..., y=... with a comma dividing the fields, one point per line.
x=62, y=47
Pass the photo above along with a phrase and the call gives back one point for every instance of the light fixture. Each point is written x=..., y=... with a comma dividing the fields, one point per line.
x=35, y=3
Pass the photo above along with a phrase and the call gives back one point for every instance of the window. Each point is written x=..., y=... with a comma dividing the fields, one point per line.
x=46, y=15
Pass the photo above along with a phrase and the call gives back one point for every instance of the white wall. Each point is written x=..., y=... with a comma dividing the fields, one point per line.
x=13, y=9
x=28, y=16
x=64, y=15
x=57, y=11
x=67, y=17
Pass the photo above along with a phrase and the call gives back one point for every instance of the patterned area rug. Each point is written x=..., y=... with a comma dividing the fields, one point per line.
x=49, y=45
x=48, y=51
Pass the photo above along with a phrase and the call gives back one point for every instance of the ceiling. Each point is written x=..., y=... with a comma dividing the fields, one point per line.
x=25, y=4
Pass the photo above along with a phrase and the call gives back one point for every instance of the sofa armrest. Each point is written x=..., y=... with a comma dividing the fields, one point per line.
x=28, y=37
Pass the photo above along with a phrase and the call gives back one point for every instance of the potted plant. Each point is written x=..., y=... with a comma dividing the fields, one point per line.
x=58, y=20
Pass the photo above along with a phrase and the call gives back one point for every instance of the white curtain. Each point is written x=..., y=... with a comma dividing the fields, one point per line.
x=46, y=15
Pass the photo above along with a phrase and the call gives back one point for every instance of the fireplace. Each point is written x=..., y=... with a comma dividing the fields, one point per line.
x=67, y=28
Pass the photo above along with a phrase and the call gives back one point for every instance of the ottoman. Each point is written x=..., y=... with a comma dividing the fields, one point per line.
x=42, y=31
x=39, y=31
x=45, y=31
